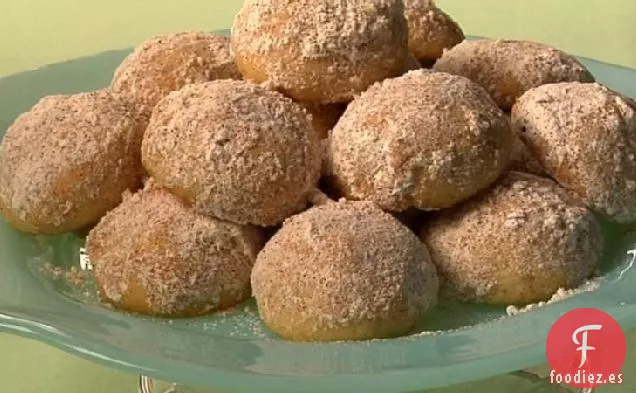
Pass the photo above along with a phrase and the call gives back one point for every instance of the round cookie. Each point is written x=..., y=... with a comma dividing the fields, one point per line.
x=168, y=62
x=584, y=135
x=154, y=255
x=508, y=68
x=320, y=51
x=431, y=30
x=234, y=150
x=518, y=243
x=343, y=271
x=426, y=140
x=66, y=162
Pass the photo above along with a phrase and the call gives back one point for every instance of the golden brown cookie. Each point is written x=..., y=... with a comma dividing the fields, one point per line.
x=516, y=244
x=507, y=68
x=343, y=271
x=66, y=162
x=426, y=140
x=234, y=150
x=154, y=255
x=584, y=135
x=320, y=51
x=168, y=62
x=431, y=30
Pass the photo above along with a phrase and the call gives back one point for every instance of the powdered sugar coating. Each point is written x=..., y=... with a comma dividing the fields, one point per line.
x=431, y=30
x=234, y=150
x=517, y=243
x=584, y=135
x=509, y=68
x=426, y=140
x=343, y=271
x=168, y=62
x=154, y=255
x=319, y=50
x=66, y=162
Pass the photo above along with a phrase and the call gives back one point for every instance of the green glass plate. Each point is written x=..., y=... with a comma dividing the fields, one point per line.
x=46, y=293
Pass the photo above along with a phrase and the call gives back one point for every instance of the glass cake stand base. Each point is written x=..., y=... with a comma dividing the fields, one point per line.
x=518, y=382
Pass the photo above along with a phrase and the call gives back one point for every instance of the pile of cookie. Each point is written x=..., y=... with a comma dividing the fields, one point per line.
x=346, y=163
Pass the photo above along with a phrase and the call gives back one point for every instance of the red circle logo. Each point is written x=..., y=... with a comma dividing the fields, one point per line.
x=586, y=348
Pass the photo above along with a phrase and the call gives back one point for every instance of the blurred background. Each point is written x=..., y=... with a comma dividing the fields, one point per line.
x=34, y=33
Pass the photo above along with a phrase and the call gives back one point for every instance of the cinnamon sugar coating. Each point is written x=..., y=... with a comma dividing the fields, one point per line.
x=584, y=135
x=168, y=62
x=154, y=255
x=517, y=243
x=343, y=271
x=318, y=50
x=431, y=30
x=509, y=68
x=66, y=162
x=426, y=140
x=234, y=150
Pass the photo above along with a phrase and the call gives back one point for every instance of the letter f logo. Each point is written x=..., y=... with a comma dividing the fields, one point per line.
x=583, y=343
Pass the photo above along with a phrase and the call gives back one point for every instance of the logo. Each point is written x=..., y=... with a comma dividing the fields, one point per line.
x=586, y=348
